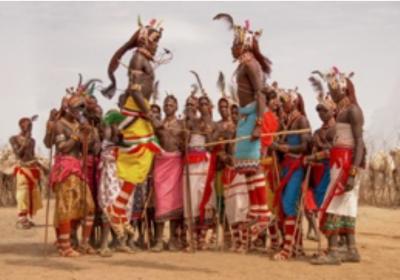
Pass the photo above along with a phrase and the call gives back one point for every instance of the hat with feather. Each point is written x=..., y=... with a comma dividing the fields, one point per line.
x=246, y=39
x=323, y=99
x=141, y=38
x=335, y=79
x=242, y=34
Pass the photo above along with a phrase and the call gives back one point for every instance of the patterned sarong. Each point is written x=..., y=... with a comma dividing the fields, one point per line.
x=339, y=208
x=27, y=189
x=200, y=178
x=289, y=191
x=168, y=172
x=73, y=197
x=247, y=152
x=137, y=202
x=109, y=186
x=271, y=175
x=92, y=175
x=321, y=178
x=236, y=196
x=135, y=156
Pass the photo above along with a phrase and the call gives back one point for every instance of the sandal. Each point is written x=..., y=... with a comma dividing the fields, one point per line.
x=326, y=260
x=351, y=256
x=105, y=253
x=282, y=255
x=86, y=249
x=69, y=253
x=23, y=225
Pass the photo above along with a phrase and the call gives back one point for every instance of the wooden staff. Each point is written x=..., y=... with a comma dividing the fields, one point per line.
x=219, y=206
x=46, y=230
x=144, y=215
x=304, y=188
x=188, y=197
x=247, y=137
x=224, y=214
x=85, y=149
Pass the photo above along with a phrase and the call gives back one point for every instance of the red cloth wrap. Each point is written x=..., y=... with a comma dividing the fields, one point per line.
x=291, y=164
x=31, y=183
x=317, y=171
x=63, y=167
x=93, y=175
x=270, y=124
x=339, y=158
x=210, y=179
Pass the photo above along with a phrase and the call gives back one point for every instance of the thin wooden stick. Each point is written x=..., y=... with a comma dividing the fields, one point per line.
x=298, y=225
x=144, y=214
x=188, y=196
x=46, y=230
x=247, y=137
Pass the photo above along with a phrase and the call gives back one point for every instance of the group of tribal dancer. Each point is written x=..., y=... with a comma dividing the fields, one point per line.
x=253, y=175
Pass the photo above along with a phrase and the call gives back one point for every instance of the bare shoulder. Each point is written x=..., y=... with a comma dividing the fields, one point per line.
x=355, y=114
x=13, y=139
x=252, y=65
x=317, y=132
x=302, y=122
x=58, y=127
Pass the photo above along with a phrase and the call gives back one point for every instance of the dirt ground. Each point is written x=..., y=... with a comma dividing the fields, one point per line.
x=21, y=256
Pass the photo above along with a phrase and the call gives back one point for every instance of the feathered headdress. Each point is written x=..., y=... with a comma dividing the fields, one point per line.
x=85, y=89
x=323, y=99
x=221, y=84
x=288, y=95
x=247, y=39
x=192, y=97
x=335, y=79
x=230, y=96
x=150, y=31
x=242, y=34
x=199, y=83
x=26, y=119
x=141, y=37
x=233, y=95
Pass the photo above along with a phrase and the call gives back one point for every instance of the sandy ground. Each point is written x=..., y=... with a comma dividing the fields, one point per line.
x=21, y=257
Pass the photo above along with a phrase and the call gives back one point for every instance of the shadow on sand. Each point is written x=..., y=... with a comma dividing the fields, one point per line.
x=156, y=265
x=49, y=263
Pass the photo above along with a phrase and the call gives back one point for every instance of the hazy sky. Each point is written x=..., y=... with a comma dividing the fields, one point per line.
x=45, y=45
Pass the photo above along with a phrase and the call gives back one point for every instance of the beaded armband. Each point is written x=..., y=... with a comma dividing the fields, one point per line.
x=136, y=87
x=353, y=171
x=75, y=137
x=60, y=138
